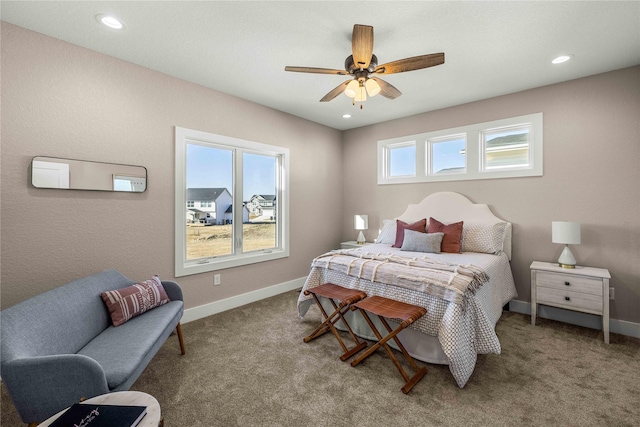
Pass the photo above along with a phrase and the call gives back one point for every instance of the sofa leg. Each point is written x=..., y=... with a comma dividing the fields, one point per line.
x=179, y=331
x=33, y=424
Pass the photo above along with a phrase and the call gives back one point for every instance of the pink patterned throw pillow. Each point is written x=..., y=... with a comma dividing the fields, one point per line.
x=126, y=303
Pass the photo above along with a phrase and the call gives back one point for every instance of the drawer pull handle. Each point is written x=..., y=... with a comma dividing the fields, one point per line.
x=567, y=299
x=567, y=284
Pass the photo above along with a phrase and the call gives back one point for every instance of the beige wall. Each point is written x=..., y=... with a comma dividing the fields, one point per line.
x=591, y=175
x=61, y=100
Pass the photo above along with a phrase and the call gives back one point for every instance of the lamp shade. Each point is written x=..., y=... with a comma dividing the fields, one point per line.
x=373, y=88
x=352, y=89
x=565, y=232
x=361, y=222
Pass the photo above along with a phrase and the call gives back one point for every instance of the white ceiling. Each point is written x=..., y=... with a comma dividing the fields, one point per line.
x=241, y=47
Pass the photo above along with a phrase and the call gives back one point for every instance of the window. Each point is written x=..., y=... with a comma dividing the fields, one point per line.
x=500, y=149
x=505, y=148
x=402, y=160
x=447, y=155
x=224, y=176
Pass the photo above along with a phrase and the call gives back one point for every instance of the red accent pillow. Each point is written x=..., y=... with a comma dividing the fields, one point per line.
x=126, y=303
x=401, y=226
x=452, y=235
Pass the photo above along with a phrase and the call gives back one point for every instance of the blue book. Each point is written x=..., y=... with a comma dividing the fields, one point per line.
x=92, y=415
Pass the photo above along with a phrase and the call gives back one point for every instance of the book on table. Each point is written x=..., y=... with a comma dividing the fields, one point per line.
x=94, y=415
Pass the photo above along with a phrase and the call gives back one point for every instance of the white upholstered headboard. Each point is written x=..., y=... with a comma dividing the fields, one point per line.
x=449, y=207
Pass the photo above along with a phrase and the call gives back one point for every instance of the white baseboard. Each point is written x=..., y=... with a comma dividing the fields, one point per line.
x=621, y=327
x=215, y=307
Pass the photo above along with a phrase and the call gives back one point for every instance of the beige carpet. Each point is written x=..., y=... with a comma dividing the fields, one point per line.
x=249, y=367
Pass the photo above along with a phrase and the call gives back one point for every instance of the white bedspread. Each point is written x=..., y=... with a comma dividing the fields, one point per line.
x=463, y=330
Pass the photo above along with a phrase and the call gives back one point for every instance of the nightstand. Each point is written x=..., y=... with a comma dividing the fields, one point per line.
x=584, y=289
x=352, y=244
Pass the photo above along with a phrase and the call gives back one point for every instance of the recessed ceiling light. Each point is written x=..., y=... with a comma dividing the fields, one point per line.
x=562, y=58
x=346, y=116
x=110, y=21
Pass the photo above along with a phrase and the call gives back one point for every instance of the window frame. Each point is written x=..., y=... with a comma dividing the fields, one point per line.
x=474, y=152
x=184, y=267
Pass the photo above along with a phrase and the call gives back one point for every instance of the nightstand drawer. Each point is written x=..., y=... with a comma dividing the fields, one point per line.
x=569, y=283
x=569, y=299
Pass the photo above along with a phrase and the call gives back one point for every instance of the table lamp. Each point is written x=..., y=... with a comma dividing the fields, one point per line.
x=361, y=222
x=567, y=233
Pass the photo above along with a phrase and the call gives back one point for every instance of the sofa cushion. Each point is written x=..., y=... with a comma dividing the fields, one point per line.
x=124, y=304
x=121, y=350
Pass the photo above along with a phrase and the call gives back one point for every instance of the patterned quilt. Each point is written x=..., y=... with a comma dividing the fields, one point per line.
x=463, y=294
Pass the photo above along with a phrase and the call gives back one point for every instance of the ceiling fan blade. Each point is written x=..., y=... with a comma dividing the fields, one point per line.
x=362, y=45
x=336, y=91
x=387, y=89
x=316, y=70
x=410, y=64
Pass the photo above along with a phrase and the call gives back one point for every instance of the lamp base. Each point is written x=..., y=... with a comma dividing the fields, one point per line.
x=567, y=265
x=567, y=260
x=361, y=240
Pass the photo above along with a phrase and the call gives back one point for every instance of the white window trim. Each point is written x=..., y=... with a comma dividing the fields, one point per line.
x=474, y=153
x=184, y=267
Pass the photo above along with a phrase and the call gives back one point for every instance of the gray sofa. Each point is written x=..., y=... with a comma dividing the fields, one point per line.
x=60, y=346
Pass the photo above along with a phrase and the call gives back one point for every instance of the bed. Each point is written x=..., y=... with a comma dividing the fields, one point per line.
x=464, y=293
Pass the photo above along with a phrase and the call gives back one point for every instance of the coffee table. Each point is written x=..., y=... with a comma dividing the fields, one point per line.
x=134, y=398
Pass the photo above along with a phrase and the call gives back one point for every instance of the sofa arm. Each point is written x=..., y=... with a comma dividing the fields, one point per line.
x=42, y=386
x=173, y=290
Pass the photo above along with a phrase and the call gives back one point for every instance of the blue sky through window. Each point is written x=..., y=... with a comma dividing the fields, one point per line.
x=402, y=161
x=210, y=167
x=447, y=155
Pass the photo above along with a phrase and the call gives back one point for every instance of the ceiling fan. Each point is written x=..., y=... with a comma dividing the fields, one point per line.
x=363, y=63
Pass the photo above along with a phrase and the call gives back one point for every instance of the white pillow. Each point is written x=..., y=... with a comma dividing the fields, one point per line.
x=485, y=237
x=388, y=233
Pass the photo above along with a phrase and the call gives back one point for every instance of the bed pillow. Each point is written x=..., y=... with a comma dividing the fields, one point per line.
x=388, y=233
x=485, y=238
x=401, y=226
x=127, y=303
x=452, y=235
x=415, y=241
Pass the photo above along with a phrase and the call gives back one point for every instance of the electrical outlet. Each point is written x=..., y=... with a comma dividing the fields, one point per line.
x=216, y=279
x=612, y=293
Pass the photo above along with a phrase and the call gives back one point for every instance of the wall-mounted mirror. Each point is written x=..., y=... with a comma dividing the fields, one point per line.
x=52, y=172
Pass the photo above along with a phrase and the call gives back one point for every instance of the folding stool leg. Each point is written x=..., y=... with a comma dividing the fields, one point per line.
x=382, y=341
x=328, y=325
x=323, y=328
x=409, y=382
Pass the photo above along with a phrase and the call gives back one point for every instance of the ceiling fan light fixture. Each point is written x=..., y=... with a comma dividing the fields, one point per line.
x=352, y=89
x=361, y=93
x=373, y=88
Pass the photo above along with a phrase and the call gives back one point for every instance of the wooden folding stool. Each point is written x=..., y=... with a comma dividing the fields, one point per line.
x=391, y=309
x=346, y=297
